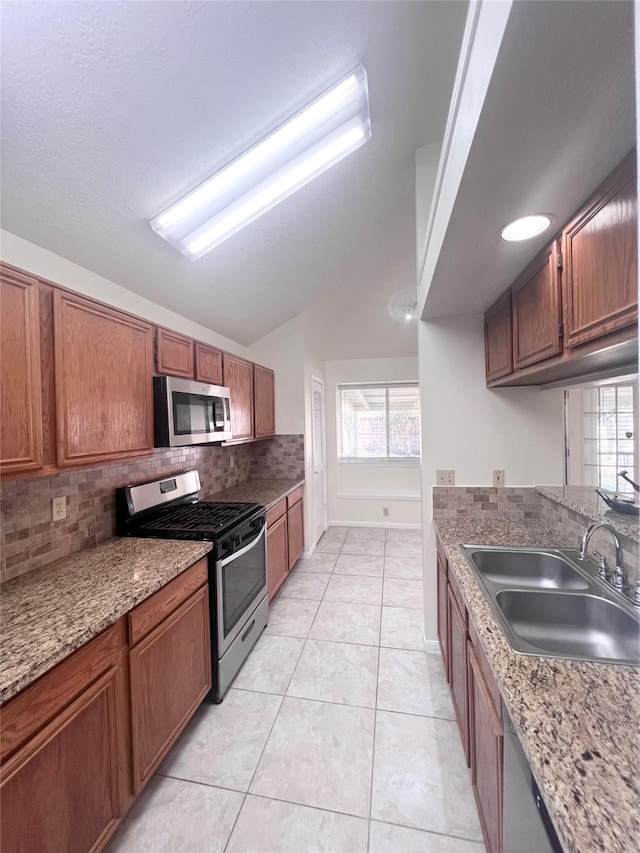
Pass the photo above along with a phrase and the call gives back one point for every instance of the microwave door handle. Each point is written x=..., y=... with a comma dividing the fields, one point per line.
x=246, y=547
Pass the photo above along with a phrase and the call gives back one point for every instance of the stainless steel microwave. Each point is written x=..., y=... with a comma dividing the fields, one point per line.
x=188, y=412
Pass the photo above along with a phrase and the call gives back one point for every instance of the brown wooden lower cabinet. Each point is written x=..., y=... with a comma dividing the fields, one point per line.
x=457, y=647
x=70, y=741
x=442, y=614
x=295, y=525
x=277, y=554
x=60, y=791
x=170, y=676
x=485, y=736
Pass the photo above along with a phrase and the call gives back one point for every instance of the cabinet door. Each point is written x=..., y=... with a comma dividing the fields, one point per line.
x=238, y=377
x=60, y=792
x=277, y=554
x=498, y=343
x=20, y=379
x=170, y=673
x=537, y=310
x=264, y=402
x=486, y=756
x=174, y=354
x=103, y=366
x=458, y=668
x=442, y=614
x=295, y=522
x=208, y=364
x=600, y=255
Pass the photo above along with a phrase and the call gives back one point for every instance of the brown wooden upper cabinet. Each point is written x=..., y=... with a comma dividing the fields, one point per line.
x=537, y=310
x=20, y=381
x=174, y=354
x=103, y=369
x=208, y=364
x=600, y=256
x=498, y=345
x=264, y=402
x=238, y=377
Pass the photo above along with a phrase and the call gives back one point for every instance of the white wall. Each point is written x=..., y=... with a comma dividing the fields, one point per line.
x=358, y=492
x=27, y=256
x=283, y=351
x=473, y=430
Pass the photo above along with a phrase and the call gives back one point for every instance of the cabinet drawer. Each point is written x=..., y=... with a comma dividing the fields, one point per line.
x=32, y=709
x=295, y=497
x=156, y=608
x=276, y=512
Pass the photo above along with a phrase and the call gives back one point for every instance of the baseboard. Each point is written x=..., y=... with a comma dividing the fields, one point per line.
x=432, y=647
x=395, y=524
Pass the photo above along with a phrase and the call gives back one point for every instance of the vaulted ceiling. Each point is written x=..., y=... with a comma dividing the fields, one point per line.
x=112, y=110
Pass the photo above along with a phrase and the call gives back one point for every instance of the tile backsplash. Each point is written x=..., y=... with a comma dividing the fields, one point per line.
x=29, y=539
x=527, y=505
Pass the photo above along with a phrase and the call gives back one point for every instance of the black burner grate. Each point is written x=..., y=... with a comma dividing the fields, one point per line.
x=204, y=519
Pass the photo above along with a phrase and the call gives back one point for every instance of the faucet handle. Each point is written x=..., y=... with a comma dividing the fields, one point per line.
x=617, y=579
x=602, y=565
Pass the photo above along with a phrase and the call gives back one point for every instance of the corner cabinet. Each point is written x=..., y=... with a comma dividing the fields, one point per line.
x=21, y=386
x=80, y=743
x=600, y=254
x=498, y=346
x=238, y=377
x=103, y=368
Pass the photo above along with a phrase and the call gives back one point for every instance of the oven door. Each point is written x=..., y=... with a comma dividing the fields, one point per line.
x=241, y=581
x=192, y=412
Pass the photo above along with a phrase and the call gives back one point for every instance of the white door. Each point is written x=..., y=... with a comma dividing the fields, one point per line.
x=319, y=487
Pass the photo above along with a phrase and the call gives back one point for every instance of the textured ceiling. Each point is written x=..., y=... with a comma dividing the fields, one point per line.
x=112, y=110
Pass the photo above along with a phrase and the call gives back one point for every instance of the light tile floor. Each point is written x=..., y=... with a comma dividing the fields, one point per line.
x=338, y=734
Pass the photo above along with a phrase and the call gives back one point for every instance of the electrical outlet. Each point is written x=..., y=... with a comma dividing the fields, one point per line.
x=58, y=509
x=385, y=510
x=445, y=477
x=498, y=477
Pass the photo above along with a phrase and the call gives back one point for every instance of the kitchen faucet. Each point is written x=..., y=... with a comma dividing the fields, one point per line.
x=617, y=578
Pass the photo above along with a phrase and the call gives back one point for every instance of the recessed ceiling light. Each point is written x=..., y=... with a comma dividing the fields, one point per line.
x=312, y=141
x=526, y=227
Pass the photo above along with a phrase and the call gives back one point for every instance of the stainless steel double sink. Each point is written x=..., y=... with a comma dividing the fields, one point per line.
x=549, y=603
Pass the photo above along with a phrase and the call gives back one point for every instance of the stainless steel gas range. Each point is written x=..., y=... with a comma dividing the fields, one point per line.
x=239, y=604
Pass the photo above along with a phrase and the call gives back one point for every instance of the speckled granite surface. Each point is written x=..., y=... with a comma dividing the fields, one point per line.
x=47, y=614
x=585, y=500
x=267, y=492
x=579, y=722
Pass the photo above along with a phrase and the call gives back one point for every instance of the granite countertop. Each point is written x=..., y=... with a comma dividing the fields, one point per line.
x=579, y=722
x=586, y=501
x=267, y=492
x=49, y=613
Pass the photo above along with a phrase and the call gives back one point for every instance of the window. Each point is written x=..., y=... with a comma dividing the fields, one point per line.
x=379, y=422
x=609, y=436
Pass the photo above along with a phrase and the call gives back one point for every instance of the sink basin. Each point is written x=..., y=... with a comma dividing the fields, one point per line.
x=571, y=625
x=552, y=604
x=527, y=568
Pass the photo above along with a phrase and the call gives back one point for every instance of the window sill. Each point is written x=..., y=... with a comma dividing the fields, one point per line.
x=412, y=462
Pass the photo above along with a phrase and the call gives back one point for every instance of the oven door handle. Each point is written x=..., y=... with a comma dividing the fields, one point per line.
x=245, y=549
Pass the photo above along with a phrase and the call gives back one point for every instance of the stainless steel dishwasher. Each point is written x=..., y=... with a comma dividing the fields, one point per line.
x=527, y=827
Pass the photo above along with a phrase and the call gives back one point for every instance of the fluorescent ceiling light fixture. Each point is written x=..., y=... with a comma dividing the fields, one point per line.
x=312, y=141
x=526, y=227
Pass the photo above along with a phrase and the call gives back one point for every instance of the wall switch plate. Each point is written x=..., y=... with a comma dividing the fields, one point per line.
x=58, y=509
x=498, y=477
x=445, y=477
x=385, y=510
